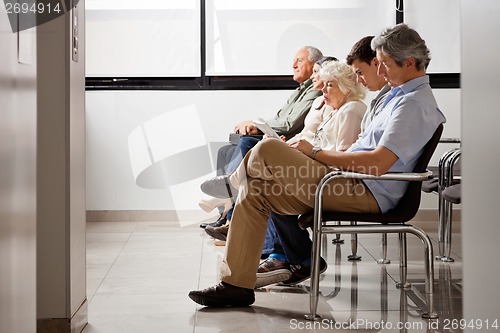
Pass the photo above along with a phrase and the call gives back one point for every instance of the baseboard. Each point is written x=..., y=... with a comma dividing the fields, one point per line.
x=76, y=324
x=146, y=215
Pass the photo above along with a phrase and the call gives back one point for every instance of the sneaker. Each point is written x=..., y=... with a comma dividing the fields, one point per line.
x=272, y=271
x=219, y=187
x=301, y=273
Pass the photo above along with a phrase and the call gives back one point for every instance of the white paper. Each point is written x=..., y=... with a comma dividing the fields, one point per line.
x=265, y=128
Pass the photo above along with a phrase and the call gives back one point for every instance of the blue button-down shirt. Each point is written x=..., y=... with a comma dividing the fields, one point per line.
x=408, y=120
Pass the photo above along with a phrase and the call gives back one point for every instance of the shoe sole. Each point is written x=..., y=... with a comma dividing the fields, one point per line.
x=214, y=224
x=267, y=278
x=216, y=302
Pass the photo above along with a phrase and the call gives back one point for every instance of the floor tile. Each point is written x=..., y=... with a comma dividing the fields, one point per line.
x=139, y=275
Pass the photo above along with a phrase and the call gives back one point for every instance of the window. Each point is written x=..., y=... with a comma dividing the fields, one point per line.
x=261, y=37
x=235, y=44
x=146, y=38
x=438, y=22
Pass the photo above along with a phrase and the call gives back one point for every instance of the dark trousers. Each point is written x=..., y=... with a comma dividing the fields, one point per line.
x=294, y=241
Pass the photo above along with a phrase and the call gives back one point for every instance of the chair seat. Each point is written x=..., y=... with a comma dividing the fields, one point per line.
x=453, y=193
x=430, y=186
x=306, y=220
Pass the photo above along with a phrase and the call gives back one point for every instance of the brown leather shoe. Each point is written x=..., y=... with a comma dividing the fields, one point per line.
x=219, y=233
x=223, y=294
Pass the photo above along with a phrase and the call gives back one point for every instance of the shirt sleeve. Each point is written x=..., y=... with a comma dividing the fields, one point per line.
x=290, y=119
x=410, y=129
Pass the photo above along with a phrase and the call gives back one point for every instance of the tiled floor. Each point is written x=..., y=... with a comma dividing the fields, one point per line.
x=139, y=274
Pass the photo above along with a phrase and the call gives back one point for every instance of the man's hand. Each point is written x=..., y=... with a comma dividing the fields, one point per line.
x=246, y=128
x=303, y=146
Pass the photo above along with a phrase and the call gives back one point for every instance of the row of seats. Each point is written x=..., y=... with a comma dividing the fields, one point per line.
x=447, y=186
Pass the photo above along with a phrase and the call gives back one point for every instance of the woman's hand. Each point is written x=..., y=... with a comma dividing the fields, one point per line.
x=303, y=146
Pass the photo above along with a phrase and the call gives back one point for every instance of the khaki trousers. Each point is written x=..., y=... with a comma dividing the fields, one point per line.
x=275, y=177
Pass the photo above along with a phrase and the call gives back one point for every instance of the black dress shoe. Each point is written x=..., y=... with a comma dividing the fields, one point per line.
x=219, y=187
x=219, y=223
x=223, y=294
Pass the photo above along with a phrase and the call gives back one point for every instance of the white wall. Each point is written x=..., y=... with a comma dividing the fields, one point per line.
x=207, y=116
x=204, y=118
x=17, y=179
x=480, y=160
x=120, y=123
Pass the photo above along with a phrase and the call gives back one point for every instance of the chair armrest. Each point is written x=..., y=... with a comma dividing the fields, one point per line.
x=450, y=140
x=306, y=220
x=402, y=176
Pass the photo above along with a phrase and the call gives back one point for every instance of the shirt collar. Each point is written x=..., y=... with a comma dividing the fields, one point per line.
x=305, y=84
x=411, y=85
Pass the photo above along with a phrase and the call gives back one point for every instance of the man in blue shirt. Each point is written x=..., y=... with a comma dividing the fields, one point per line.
x=283, y=179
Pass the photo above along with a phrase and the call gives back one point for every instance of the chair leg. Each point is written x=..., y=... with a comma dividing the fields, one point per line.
x=446, y=254
x=441, y=224
x=429, y=271
x=315, y=261
x=403, y=263
x=401, y=230
x=384, y=259
x=354, y=246
x=337, y=239
x=429, y=268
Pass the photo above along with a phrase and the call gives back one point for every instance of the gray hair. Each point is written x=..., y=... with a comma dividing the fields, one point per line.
x=345, y=78
x=314, y=54
x=400, y=42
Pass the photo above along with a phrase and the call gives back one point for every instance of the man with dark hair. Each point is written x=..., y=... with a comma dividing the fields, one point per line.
x=363, y=61
x=267, y=178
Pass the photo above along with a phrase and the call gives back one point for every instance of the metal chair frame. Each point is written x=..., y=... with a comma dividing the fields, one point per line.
x=401, y=229
x=382, y=223
x=446, y=178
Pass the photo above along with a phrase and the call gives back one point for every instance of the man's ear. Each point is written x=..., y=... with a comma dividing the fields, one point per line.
x=375, y=62
x=411, y=62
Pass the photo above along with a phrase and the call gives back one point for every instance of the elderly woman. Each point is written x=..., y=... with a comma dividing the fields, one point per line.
x=319, y=110
x=341, y=92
